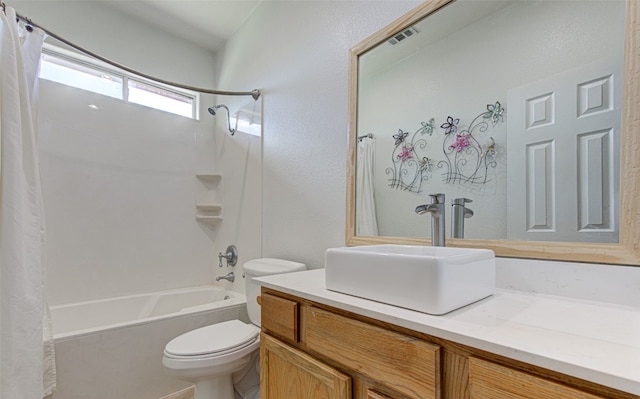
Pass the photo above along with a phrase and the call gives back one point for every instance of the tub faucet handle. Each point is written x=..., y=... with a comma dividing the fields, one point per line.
x=231, y=255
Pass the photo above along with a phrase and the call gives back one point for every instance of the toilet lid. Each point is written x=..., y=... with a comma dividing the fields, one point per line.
x=216, y=338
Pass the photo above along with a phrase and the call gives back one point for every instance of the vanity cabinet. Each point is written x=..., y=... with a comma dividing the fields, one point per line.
x=488, y=380
x=310, y=350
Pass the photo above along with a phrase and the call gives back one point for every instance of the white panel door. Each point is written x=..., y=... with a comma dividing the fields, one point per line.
x=563, y=185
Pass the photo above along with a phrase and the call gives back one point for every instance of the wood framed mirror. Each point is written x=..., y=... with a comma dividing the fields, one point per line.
x=626, y=246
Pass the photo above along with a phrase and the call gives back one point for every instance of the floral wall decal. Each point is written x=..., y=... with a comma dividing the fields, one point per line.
x=467, y=159
x=411, y=167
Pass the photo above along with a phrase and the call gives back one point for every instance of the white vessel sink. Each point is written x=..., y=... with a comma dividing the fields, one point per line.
x=433, y=280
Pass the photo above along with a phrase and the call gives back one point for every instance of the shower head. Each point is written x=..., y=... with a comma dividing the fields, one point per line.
x=213, y=111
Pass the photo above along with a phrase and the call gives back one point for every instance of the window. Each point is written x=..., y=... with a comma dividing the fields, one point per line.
x=156, y=97
x=75, y=70
x=76, y=75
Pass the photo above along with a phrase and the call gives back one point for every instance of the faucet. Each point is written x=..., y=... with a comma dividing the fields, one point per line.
x=458, y=213
x=229, y=277
x=436, y=208
x=231, y=256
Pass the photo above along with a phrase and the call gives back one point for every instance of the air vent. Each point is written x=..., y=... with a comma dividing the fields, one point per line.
x=405, y=34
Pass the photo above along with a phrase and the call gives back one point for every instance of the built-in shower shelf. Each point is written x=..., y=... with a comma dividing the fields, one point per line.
x=209, y=209
x=212, y=220
x=208, y=212
x=209, y=177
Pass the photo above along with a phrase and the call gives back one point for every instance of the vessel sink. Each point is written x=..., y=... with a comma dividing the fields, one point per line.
x=434, y=280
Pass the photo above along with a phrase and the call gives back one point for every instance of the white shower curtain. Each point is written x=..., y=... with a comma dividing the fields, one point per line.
x=366, y=221
x=27, y=368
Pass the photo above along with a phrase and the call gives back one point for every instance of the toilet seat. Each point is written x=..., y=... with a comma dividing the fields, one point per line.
x=213, y=341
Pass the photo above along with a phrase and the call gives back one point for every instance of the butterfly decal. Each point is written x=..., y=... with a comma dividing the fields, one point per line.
x=427, y=127
x=400, y=136
x=451, y=125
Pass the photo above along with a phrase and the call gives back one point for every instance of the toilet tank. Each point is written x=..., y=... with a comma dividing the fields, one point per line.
x=264, y=267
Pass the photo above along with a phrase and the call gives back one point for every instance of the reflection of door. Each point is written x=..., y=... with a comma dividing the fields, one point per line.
x=563, y=185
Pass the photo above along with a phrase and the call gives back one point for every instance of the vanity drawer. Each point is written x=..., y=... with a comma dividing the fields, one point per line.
x=280, y=317
x=400, y=362
x=491, y=381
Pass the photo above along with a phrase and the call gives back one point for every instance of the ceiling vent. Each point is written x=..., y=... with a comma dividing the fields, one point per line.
x=405, y=34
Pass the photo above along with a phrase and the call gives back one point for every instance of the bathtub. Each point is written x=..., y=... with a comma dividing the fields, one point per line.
x=112, y=348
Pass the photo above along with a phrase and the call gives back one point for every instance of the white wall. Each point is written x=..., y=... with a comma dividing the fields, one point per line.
x=239, y=160
x=296, y=52
x=118, y=186
x=119, y=183
x=110, y=33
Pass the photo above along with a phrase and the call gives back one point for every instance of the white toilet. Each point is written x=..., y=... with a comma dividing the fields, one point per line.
x=208, y=356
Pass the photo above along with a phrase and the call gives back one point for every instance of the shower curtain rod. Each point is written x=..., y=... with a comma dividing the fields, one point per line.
x=254, y=93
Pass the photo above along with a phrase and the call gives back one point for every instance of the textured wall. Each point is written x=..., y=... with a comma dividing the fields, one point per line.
x=297, y=53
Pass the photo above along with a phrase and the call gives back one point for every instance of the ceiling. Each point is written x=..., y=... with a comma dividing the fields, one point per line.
x=207, y=23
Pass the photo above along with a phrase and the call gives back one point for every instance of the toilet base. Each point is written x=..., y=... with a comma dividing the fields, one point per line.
x=215, y=388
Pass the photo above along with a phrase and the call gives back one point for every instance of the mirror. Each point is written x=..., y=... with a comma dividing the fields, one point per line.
x=463, y=76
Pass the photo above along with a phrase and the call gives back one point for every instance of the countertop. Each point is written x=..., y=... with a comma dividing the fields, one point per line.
x=595, y=341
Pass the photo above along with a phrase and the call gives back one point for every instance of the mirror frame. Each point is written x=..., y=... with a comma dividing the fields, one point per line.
x=626, y=252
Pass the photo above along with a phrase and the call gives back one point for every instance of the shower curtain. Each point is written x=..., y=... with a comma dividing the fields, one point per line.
x=366, y=222
x=27, y=368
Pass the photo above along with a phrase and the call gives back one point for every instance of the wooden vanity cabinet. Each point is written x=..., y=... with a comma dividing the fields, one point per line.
x=488, y=380
x=310, y=351
x=320, y=353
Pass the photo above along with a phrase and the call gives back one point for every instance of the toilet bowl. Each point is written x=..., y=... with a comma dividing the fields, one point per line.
x=208, y=356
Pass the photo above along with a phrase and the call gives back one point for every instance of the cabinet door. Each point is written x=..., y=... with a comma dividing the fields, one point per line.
x=492, y=381
x=400, y=363
x=286, y=372
x=375, y=395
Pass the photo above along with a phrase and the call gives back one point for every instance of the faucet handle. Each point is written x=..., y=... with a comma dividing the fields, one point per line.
x=231, y=256
x=460, y=201
x=437, y=198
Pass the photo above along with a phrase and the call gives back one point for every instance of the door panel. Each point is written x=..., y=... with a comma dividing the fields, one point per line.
x=567, y=127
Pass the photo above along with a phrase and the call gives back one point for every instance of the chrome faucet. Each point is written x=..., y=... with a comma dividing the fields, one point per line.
x=436, y=208
x=231, y=256
x=229, y=277
x=458, y=213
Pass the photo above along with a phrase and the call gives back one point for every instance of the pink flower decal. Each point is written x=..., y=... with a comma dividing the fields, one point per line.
x=406, y=154
x=462, y=142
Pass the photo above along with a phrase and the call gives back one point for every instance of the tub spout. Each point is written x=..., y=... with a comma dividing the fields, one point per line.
x=229, y=277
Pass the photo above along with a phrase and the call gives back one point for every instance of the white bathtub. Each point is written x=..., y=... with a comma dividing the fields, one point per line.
x=81, y=318
x=113, y=347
